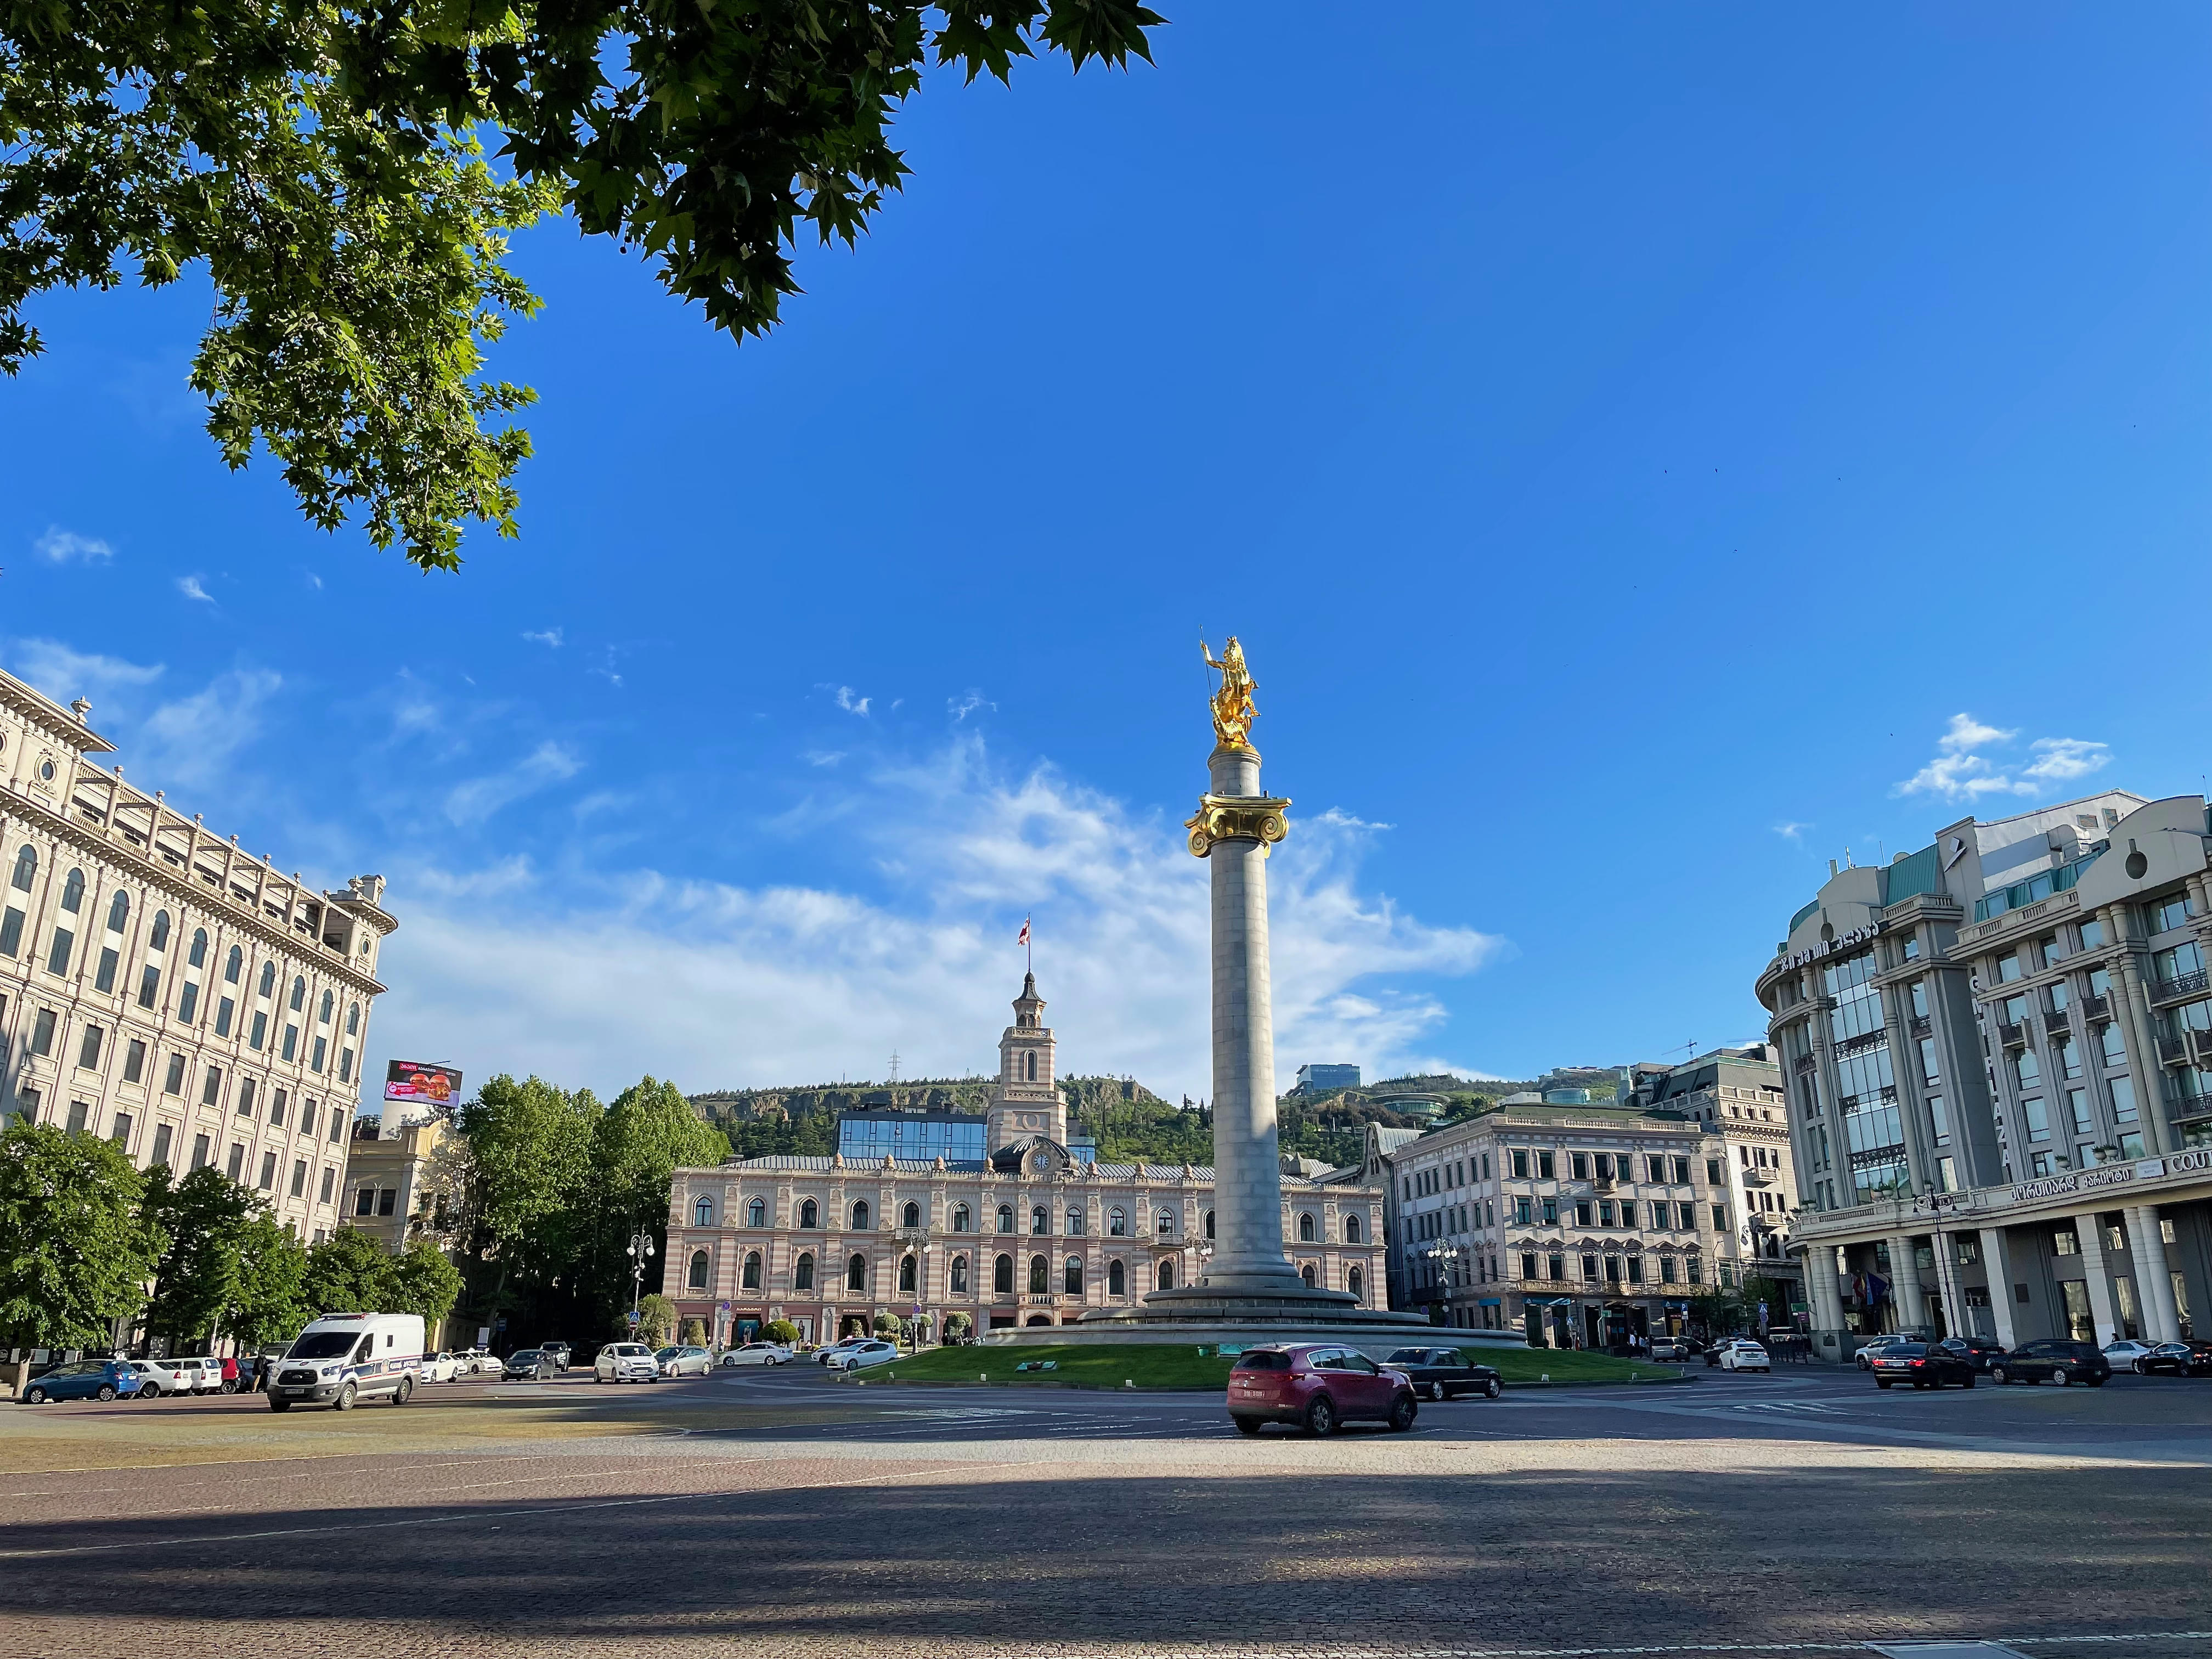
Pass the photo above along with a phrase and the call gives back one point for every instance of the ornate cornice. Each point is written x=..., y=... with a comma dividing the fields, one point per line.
x=1236, y=818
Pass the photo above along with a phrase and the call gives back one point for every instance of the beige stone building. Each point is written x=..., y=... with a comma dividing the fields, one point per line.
x=1024, y=1232
x=163, y=989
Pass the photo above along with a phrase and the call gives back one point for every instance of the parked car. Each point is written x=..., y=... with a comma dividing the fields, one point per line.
x=685, y=1361
x=558, y=1352
x=1869, y=1350
x=869, y=1352
x=1316, y=1387
x=526, y=1364
x=2054, y=1357
x=626, y=1362
x=1921, y=1364
x=441, y=1368
x=2122, y=1355
x=824, y=1356
x=1671, y=1351
x=2190, y=1358
x=483, y=1362
x=758, y=1353
x=1444, y=1373
x=1744, y=1355
x=1976, y=1351
x=158, y=1377
x=84, y=1379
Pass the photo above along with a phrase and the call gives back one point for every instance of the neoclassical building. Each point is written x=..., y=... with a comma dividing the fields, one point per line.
x=1030, y=1233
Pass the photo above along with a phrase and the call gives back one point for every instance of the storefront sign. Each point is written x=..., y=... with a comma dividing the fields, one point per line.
x=2084, y=1180
x=1852, y=940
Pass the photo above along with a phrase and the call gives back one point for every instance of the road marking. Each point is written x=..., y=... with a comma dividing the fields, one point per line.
x=1361, y=1651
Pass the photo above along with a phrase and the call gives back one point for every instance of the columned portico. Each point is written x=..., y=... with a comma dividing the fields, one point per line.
x=2098, y=1277
x=2154, y=1275
x=1904, y=1281
x=1997, y=1262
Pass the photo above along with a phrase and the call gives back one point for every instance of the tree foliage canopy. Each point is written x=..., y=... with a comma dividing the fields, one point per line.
x=322, y=160
x=202, y=1218
x=76, y=1247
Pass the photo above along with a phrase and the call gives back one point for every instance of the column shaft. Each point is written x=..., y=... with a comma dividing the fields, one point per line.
x=2098, y=1278
x=2154, y=1275
x=1997, y=1260
x=1905, y=1280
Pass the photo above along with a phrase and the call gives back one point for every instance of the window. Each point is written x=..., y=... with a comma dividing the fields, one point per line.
x=299, y=989
x=269, y=1172
x=291, y=1040
x=387, y=1200
x=1305, y=1227
x=1605, y=1212
x=299, y=1178
x=702, y=1213
x=1939, y=1120
x=2038, y=1118
x=345, y=1064
x=58, y=958
x=307, y=1110
x=694, y=1277
x=234, y=965
x=321, y=1054
x=1075, y=1223
x=861, y=1217
x=1040, y=1276
x=748, y=1276
x=188, y=1003
x=1040, y=1221
x=338, y=1119
x=2007, y=967
x=200, y=1152
x=2077, y=1109
x=11, y=931
x=1352, y=1229
x=911, y=1217
x=756, y=1213
x=1546, y=1166
x=1579, y=1166
x=2123, y=1102
x=26, y=868
x=353, y=1019
x=222, y=1013
x=197, y=956
x=1681, y=1171
x=809, y=1215
x=1520, y=1165
x=88, y=1047
x=323, y=1014
x=364, y=1201
x=159, y=939
x=174, y=1083
x=1164, y=1222
x=856, y=1273
x=2092, y=933
x=1209, y=1224
x=802, y=1273
x=1117, y=1279
x=120, y=1131
x=1167, y=1275
x=104, y=978
x=1551, y=1212
x=245, y=1092
x=1117, y=1223
x=1712, y=1172
x=1306, y=1273
x=1070, y=1280
x=1524, y=1211
x=260, y=1028
x=2167, y=914
x=42, y=1032
x=957, y=1283
x=1528, y=1264
x=1356, y=1282
x=1006, y=1222
x=268, y=979
x=1720, y=1217
x=330, y=1175
x=235, y=1167
x=1002, y=1272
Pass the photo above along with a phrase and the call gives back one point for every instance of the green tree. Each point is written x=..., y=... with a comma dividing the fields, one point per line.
x=319, y=158
x=349, y=1272
x=637, y=1144
x=203, y=1216
x=76, y=1247
x=422, y=1281
x=268, y=1300
x=656, y=1320
x=778, y=1330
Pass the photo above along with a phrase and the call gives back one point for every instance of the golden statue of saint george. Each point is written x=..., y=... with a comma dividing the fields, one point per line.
x=1233, y=713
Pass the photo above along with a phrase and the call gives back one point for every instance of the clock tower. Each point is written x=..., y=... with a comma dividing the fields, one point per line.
x=1026, y=1100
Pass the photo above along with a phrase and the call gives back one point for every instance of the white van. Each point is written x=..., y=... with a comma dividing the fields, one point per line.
x=341, y=1358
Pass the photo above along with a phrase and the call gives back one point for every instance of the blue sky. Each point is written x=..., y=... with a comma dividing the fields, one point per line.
x=1626, y=441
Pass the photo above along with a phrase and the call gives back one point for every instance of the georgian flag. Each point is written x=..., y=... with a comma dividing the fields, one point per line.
x=1025, y=937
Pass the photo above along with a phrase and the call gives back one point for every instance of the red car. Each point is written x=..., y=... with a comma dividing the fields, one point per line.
x=1316, y=1387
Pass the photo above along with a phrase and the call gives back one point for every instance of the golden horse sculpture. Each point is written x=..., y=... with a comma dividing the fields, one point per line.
x=1233, y=713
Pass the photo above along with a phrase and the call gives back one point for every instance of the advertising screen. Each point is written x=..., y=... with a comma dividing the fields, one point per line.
x=419, y=1080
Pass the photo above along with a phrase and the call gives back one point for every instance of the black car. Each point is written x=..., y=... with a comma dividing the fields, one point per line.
x=1977, y=1351
x=530, y=1363
x=2054, y=1357
x=1441, y=1373
x=1922, y=1365
x=2190, y=1358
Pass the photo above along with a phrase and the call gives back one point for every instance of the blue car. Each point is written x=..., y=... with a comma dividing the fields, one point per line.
x=87, y=1379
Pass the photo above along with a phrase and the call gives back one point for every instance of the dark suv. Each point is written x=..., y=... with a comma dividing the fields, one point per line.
x=2054, y=1357
x=1977, y=1351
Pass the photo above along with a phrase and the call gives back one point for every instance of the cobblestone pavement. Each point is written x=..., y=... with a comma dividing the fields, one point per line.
x=784, y=1514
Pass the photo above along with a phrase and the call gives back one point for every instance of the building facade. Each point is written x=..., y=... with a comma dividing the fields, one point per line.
x=1580, y=1225
x=1998, y=1054
x=166, y=991
x=1026, y=1234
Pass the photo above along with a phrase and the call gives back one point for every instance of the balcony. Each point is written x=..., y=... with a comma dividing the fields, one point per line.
x=2200, y=1046
x=2012, y=1036
x=1757, y=1177
x=1920, y=1025
x=2097, y=1010
x=2173, y=1051
x=1806, y=1062
x=2187, y=985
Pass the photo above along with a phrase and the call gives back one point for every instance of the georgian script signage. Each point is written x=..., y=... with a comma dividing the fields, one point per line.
x=1842, y=942
x=2090, y=1181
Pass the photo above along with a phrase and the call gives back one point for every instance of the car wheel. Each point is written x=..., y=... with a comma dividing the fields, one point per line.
x=1247, y=1425
x=1998, y=1375
x=34, y=1396
x=277, y=1405
x=404, y=1392
x=1403, y=1411
x=2059, y=1374
x=2141, y=1369
x=107, y=1393
x=1436, y=1391
x=345, y=1398
x=148, y=1391
x=1320, y=1416
x=1492, y=1388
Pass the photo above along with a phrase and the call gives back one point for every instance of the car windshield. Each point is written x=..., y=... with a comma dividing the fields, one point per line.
x=323, y=1345
x=527, y=1357
x=668, y=1353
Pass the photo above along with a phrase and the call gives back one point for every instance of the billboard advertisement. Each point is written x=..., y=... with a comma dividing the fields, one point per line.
x=421, y=1082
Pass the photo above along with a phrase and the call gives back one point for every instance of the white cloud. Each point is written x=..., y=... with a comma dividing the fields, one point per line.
x=65, y=675
x=1960, y=772
x=605, y=669
x=66, y=546
x=1792, y=831
x=549, y=636
x=823, y=757
x=714, y=984
x=477, y=798
x=190, y=588
x=192, y=740
x=847, y=698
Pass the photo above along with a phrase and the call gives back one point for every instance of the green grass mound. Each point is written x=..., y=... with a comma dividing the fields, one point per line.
x=1185, y=1365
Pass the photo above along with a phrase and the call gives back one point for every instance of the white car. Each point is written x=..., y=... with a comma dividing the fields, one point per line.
x=441, y=1368
x=829, y=1355
x=861, y=1353
x=1870, y=1350
x=478, y=1361
x=625, y=1362
x=2127, y=1356
x=1745, y=1356
x=198, y=1374
x=158, y=1377
x=758, y=1353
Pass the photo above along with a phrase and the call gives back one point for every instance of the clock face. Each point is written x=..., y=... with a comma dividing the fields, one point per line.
x=1032, y=1121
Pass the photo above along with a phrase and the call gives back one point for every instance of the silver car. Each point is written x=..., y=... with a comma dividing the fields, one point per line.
x=684, y=1361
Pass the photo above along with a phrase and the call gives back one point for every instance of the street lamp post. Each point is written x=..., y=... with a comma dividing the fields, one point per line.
x=640, y=1252
x=917, y=1240
x=1443, y=1255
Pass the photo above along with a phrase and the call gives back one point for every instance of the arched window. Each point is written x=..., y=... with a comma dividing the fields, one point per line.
x=1209, y=1224
x=906, y=1273
x=809, y=1216
x=1002, y=1275
x=1167, y=1275
x=353, y=1019
x=1356, y=1282
x=268, y=979
x=1352, y=1229
x=1074, y=1223
x=26, y=867
x=233, y=966
x=1071, y=1280
x=861, y=1217
x=696, y=1279
x=1117, y=1279
x=959, y=1275
x=299, y=993
x=856, y=1273
x=159, y=940
x=1306, y=1273
x=323, y=1014
x=750, y=1279
x=1039, y=1221
x=1040, y=1275
x=119, y=912
x=702, y=1213
x=1117, y=1223
x=756, y=1213
x=960, y=1218
x=802, y=1273
x=198, y=954
x=911, y=1216
x=1164, y=1221
x=1033, y=1065
x=73, y=892
x=1305, y=1227
x=1005, y=1217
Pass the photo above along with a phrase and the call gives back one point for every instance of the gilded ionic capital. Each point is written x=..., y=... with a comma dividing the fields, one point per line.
x=1236, y=818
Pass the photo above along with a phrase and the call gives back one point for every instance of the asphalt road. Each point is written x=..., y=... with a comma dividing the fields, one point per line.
x=781, y=1513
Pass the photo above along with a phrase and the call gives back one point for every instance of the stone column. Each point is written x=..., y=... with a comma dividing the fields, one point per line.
x=1996, y=1261
x=1823, y=1291
x=2153, y=1276
x=1248, y=1191
x=1904, y=1280
x=2098, y=1278
x=2131, y=994
x=1946, y=1276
